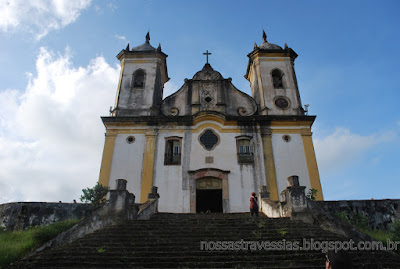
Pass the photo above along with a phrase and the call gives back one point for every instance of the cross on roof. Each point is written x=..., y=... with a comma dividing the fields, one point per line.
x=207, y=53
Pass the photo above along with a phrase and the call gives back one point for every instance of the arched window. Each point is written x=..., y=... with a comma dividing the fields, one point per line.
x=138, y=79
x=244, y=150
x=277, y=79
x=173, y=147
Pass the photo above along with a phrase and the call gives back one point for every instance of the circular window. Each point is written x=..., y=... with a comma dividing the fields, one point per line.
x=130, y=139
x=286, y=138
x=282, y=103
x=209, y=139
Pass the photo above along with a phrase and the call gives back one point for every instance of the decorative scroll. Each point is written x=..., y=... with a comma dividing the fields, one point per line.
x=174, y=111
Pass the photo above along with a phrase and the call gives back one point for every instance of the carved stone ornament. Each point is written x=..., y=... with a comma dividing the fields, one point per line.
x=207, y=73
x=282, y=103
x=174, y=111
x=242, y=111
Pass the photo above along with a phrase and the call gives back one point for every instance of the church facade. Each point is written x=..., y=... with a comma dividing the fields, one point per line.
x=208, y=146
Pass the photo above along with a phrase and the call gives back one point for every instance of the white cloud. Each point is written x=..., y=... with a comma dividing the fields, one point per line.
x=121, y=37
x=169, y=88
x=343, y=148
x=39, y=17
x=52, y=134
x=112, y=5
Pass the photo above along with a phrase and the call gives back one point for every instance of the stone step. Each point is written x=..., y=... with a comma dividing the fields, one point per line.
x=173, y=241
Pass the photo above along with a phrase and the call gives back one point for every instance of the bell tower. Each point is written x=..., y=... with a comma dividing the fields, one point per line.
x=272, y=78
x=142, y=79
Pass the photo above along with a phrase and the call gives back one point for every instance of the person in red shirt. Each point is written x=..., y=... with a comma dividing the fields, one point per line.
x=253, y=205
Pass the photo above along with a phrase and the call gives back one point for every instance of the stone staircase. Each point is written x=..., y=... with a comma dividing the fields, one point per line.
x=173, y=241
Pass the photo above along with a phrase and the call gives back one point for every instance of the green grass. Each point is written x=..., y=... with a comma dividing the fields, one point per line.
x=379, y=235
x=14, y=245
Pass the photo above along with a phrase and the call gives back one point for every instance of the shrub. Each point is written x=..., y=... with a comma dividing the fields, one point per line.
x=396, y=230
x=96, y=195
x=311, y=194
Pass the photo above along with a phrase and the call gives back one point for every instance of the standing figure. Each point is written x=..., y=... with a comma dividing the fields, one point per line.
x=253, y=205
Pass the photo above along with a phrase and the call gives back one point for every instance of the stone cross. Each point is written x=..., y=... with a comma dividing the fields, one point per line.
x=207, y=53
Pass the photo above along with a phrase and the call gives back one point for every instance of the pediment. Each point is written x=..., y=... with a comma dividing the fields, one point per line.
x=209, y=91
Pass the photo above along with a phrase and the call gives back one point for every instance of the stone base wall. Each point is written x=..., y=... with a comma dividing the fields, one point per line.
x=380, y=213
x=22, y=215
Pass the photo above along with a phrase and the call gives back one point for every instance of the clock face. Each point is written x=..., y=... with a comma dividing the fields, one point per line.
x=282, y=103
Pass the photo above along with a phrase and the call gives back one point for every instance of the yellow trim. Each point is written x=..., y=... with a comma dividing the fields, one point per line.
x=122, y=124
x=269, y=166
x=148, y=165
x=291, y=123
x=267, y=54
x=106, y=161
x=215, y=126
x=312, y=165
x=289, y=131
x=121, y=73
x=143, y=131
x=208, y=117
x=273, y=60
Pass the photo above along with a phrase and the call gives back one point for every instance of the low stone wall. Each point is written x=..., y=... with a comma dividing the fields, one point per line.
x=22, y=215
x=121, y=206
x=380, y=213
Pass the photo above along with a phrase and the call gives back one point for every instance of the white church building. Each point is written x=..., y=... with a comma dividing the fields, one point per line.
x=208, y=146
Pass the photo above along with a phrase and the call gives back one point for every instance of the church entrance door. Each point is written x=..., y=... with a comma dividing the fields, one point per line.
x=209, y=195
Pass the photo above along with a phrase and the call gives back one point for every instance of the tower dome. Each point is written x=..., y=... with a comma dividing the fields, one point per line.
x=268, y=46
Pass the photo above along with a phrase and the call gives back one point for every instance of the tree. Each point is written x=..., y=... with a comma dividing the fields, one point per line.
x=96, y=195
x=312, y=193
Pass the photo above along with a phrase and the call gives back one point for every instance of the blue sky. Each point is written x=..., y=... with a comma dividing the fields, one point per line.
x=59, y=75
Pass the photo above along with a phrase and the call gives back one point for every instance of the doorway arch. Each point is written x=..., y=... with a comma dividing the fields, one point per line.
x=209, y=179
x=209, y=195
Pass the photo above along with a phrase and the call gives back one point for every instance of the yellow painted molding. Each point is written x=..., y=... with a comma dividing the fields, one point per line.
x=312, y=166
x=124, y=124
x=273, y=59
x=291, y=123
x=148, y=164
x=201, y=127
x=290, y=131
x=280, y=55
x=107, y=158
x=269, y=166
x=211, y=117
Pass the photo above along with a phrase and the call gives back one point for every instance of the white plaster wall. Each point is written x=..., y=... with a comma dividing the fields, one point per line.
x=127, y=162
x=168, y=179
x=242, y=179
x=289, y=160
x=130, y=66
x=270, y=92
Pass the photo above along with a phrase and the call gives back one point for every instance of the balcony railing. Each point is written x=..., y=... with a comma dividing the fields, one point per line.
x=244, y=158
x=171, y=158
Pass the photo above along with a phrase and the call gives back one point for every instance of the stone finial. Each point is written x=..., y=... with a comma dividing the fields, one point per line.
x=148, y=38
x=255, y=45
x=286, y=46
x=264, y=37
x=159, y=47
x=127, y=47
x=293, y=181
x=121, y=184
x=153, y=194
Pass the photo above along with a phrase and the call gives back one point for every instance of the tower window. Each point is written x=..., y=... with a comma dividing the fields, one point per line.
x=172, y=151
x=244, y=150
x=138, y=78
x=277, y=79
